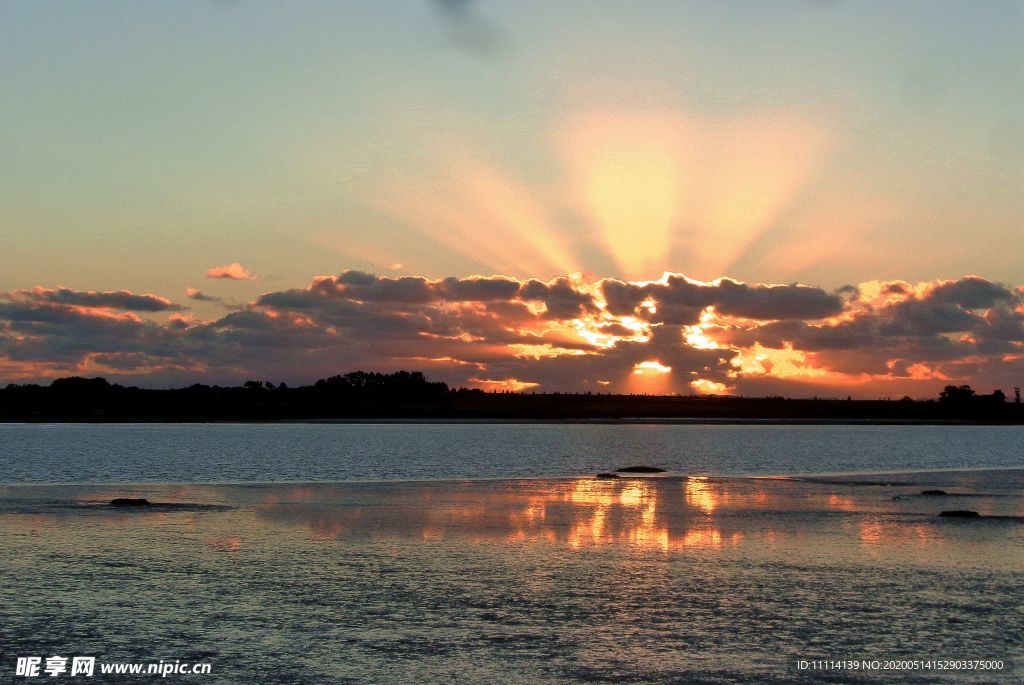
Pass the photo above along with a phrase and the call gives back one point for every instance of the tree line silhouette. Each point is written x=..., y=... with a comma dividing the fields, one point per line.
x=410, y=395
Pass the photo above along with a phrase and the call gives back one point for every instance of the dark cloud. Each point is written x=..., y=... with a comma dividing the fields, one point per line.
x=117, y=299
x=562, y=333
x=973, y=292
x=776, y=301
x=560, y=298
x=495, y=288
x=200, y=296
x=357, y=285
x=683, y=299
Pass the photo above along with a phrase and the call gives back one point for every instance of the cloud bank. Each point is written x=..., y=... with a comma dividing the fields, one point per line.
x=670, y=335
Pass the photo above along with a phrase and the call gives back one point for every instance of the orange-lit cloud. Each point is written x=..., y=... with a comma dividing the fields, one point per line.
x=233, y=271
x=672, y=335
x=706, y=387
x=503, y=385
x=782, y=362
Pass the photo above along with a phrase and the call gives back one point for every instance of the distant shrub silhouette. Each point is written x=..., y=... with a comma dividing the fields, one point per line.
x=953, y=394
x=409, y=394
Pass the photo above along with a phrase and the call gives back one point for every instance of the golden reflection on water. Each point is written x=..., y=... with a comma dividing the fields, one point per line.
x=647, y=513
x=666, y=514
x=700, y=495
x=872, y=531
x=661, y=514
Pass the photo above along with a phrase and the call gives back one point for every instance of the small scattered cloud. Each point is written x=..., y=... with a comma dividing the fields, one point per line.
x=233, y=271
x=200, y=296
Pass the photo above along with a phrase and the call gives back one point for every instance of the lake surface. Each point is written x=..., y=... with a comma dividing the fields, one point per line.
x=576, y=580
x=210, y=453
x=488, y=553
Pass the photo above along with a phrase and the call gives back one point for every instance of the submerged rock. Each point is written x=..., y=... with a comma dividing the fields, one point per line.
x=933, y=492
x=961, y=514
x=129, y=502
x=606, y=476
x=640, y=469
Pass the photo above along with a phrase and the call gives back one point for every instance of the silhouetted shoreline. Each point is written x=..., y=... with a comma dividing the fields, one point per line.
x=410, y=397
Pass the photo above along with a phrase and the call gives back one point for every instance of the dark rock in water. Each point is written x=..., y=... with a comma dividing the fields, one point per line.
x=961, y=514
x=130, y=502
x=640, y=469
x=606, y=476
x=933, y=492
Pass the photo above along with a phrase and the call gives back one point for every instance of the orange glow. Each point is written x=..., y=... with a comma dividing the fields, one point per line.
x=653, y=182
x=442, y=361
x=650, y=377
x=696, y=336
x=651, y=368
x=478, y=211
x=702, y=538
x=700, y=496
x=706, y=387
x=636, y=520
x=233, y=271
x=541, y=351
x=921, y=372
x=870, y=531
x=782, y=362
x=594, y=333
x=502, y=385
x=842, y=503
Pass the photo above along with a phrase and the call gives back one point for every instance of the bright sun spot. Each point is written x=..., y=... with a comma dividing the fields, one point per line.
x=651, y=368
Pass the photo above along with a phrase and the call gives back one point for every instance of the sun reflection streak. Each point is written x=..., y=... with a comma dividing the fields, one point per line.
x=700, y=495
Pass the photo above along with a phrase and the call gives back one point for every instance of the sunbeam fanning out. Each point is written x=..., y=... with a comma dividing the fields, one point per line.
x=647, y=188
x=628, y=180
x=476, y=210
x=663, y=184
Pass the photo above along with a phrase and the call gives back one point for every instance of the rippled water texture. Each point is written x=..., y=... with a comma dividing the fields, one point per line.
x=98, y=453
x=688, y=580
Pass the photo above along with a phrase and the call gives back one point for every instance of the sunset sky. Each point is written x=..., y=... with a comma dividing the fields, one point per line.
x=799, y=197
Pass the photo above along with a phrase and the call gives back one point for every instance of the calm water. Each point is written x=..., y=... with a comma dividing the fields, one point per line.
x=194, y=453
x=671, y=580
x=478, y=554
